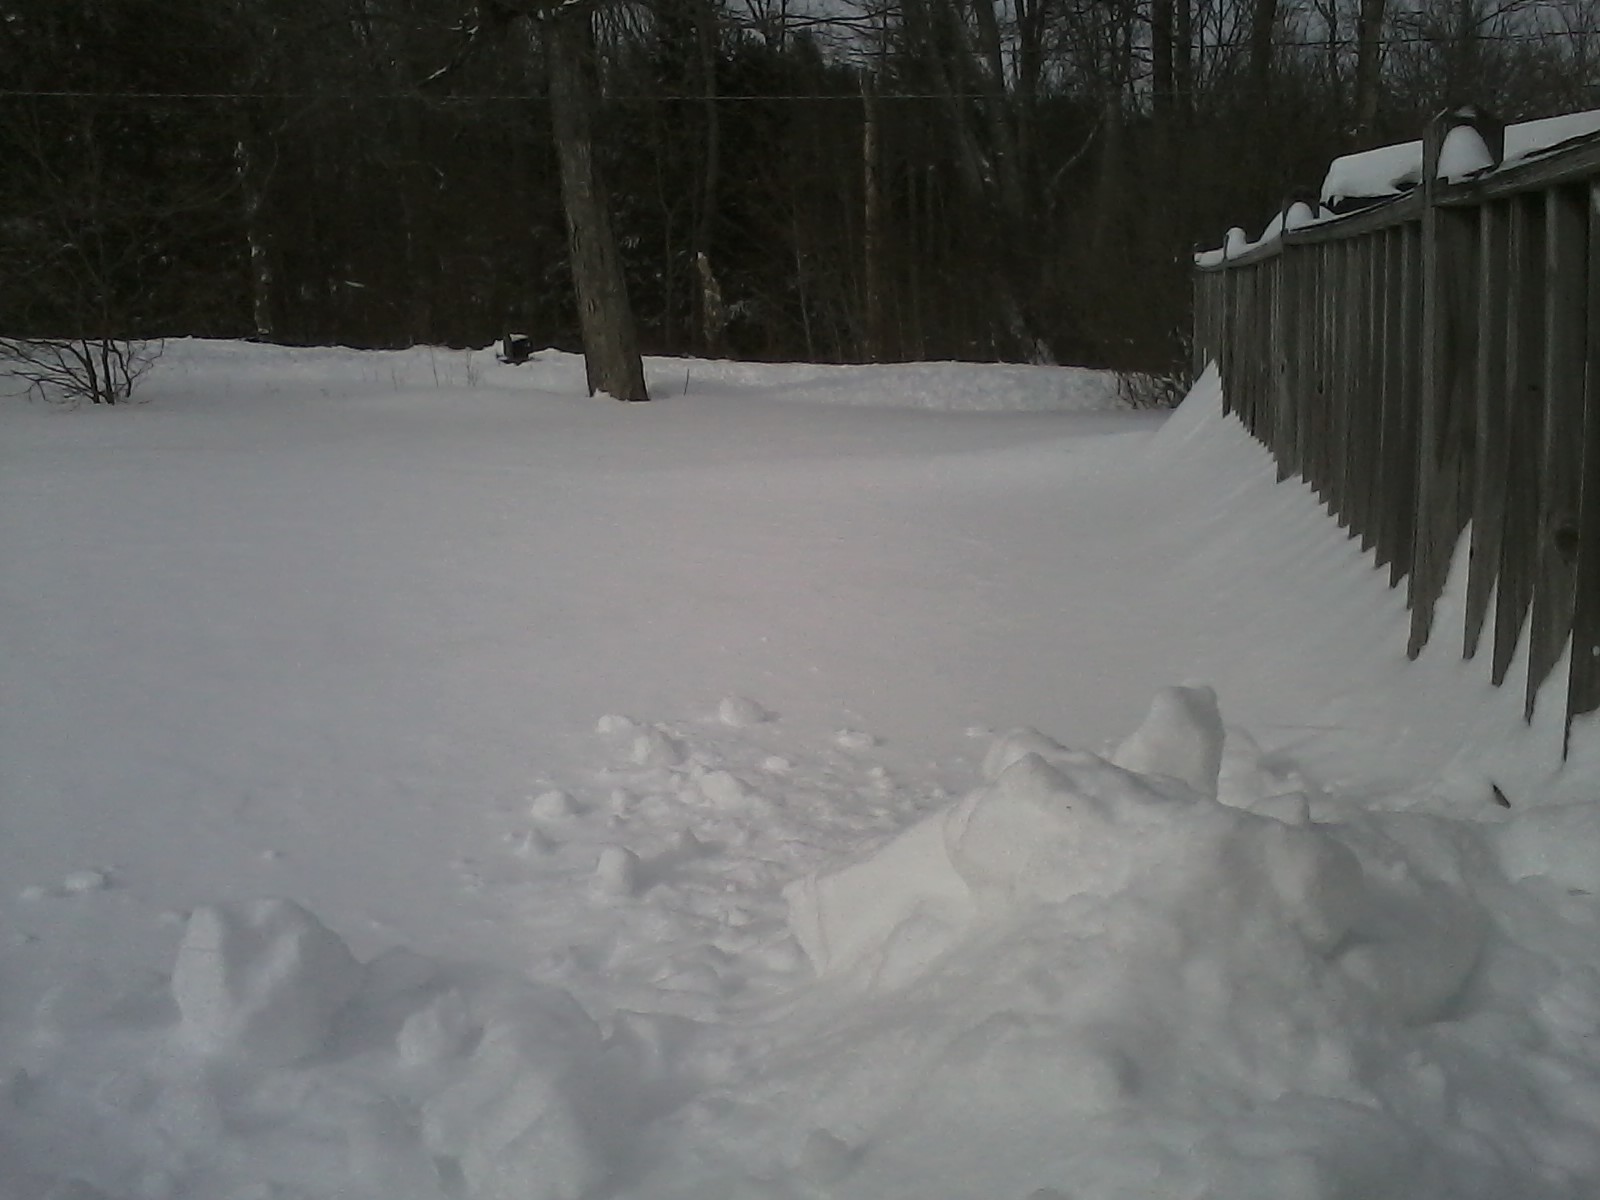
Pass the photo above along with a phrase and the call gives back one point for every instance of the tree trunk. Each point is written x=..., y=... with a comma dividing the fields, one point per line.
x=713, y=316
x=871, y=224
x=1183, y=57
x=1163, y=85
x=1369, y=31
x=610, y=343
x=250, y=170
x=1263, y=24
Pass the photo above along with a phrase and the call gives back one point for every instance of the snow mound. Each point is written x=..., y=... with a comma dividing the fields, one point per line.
x=287, y=1069
x=1054, y=826
x=937, y=386
x=1181, y=738
x=220, y=366
x=265, y=980
x=1080, y=964
x=1555, y=843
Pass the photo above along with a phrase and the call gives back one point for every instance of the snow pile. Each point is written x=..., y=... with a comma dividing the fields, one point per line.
x=275, y=1065
x=267, y=980
x=1090, y=981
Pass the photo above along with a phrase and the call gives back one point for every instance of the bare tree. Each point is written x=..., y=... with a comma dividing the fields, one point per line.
x=610, y=343
x=1369, y=50
x=610, y=339
x=75, y=249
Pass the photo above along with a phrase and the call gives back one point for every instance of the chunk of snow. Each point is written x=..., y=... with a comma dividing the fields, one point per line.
x=1236, y=243
x=1319, y=883
x=1182, y=738
x=1299, y=216
x=1292, y=808
x=1464, y=153
x=1419, y=944
x=1557, y=842
x=724, y=789
x=438, y=1031
x=616, y=873
x=262, y=980
x=553, y=805
x=1011, y=747
x=1384, y=171
x=740, y=712
x=656, y=748
x=514, y=1121
x=843, y=918
x=854, y=739
x=82, y=882
x=614, y=723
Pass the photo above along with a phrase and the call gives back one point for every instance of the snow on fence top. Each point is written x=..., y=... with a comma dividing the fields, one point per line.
x=1357, y=181
x=1393, y=170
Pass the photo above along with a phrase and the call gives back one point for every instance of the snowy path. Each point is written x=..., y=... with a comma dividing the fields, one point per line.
x=507, y=685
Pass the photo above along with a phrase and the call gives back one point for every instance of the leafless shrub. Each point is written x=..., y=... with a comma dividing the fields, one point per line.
x=69, y=371
x=1147, y=389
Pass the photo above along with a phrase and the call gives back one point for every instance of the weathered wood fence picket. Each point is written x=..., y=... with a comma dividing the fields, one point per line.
x=1433, y=360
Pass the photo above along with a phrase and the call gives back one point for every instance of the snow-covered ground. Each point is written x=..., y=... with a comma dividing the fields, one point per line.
x=823, y=782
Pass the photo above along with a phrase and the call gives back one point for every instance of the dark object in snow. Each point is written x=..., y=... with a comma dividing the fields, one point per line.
x=1499, y=796
x=516, y=348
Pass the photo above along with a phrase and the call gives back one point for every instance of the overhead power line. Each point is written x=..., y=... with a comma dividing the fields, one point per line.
x=1318, y=44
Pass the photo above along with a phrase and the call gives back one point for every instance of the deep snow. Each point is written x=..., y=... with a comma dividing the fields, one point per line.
x=777, y=790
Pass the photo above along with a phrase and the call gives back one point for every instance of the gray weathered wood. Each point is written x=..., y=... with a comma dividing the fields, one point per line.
x=1321, y=335
x=1583, y=681
x=1434, y=361
x=1391, y=396
x=1566, y=268
x=1283, y=354
x=1369, y=408
x=1524, y=423
x=1444, y=461
x=1489, y=477
x=1344, y=367
x=1402, y=462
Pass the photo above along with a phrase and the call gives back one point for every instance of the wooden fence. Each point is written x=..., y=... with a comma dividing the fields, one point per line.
x=1433, y=360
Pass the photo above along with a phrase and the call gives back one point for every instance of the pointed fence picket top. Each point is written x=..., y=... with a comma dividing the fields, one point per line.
x=1427, y=358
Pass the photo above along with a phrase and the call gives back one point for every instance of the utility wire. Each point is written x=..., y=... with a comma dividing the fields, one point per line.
x=1322, y=44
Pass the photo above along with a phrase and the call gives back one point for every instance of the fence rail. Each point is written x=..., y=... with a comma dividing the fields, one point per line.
x=1434, y=360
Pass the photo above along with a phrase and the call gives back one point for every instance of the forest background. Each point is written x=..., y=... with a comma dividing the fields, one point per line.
x=913, y=179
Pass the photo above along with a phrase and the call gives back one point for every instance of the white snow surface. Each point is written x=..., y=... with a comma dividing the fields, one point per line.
x=422, y=781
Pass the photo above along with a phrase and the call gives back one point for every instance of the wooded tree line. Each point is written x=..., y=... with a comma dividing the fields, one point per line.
x=866, y=179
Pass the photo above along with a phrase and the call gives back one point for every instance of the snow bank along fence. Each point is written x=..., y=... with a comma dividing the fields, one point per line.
x=1421, y=343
